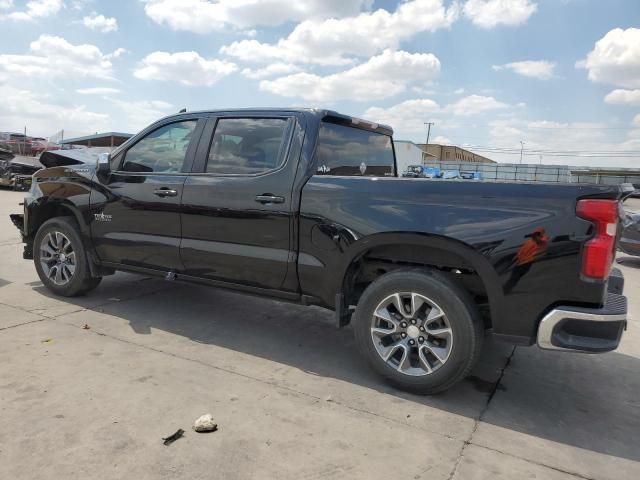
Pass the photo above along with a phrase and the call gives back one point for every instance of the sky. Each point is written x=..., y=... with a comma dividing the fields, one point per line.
x=555, y=80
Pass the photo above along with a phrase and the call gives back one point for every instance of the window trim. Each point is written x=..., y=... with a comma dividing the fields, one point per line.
x=188, y=161
x=285, y=147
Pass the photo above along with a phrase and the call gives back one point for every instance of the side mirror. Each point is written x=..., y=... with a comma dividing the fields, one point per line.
x=104, y=162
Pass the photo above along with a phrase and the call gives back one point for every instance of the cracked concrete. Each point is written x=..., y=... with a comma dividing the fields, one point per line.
x=291, y=396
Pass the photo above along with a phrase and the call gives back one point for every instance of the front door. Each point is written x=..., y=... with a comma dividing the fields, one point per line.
x=237, y=206
x=137, y=213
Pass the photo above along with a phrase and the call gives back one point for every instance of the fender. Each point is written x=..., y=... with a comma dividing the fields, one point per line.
x=471, y=257
x=59, y=191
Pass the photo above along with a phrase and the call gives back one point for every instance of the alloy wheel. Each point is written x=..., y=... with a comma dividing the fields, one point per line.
x=57, y=258
x=411, y=333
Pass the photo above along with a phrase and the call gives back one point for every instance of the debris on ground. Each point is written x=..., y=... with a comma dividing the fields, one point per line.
x=172, y=438
x=86, y=327
x=205, y=424
x=47, y=340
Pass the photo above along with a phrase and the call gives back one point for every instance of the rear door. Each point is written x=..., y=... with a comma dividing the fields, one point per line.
x=137, y=212
x=237, y=208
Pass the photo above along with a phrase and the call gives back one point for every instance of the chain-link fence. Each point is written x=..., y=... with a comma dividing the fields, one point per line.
x=542, y=173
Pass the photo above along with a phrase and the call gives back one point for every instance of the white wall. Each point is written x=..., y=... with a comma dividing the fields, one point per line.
x=407, y=153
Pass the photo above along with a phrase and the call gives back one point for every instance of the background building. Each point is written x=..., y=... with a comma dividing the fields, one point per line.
x=109, y=139
x=451, y=153
x=408, y=153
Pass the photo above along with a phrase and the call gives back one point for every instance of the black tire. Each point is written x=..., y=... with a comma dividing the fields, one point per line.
x=460, y=312
x=81, y=281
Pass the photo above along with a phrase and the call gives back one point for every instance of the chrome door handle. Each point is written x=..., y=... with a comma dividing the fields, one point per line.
x=165, y=192
x=268, y=198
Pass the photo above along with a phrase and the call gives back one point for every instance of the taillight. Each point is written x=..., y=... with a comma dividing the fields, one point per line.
x=598, y=252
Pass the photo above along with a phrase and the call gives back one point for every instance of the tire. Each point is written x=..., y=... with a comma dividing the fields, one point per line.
x=56, y=274
x=438, y=359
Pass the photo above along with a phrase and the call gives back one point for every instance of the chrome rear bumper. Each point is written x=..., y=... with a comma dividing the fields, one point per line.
x=591, y=330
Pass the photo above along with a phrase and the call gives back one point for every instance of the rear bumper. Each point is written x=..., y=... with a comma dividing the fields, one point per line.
x=590, y=330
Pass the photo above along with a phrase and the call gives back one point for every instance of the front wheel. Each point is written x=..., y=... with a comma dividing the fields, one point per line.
x=61, y=260
x=419, y=330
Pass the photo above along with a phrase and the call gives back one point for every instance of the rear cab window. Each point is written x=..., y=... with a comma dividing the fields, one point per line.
x=350, y=151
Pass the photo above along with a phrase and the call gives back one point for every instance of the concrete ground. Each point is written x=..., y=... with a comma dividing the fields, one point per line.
x=290, y=394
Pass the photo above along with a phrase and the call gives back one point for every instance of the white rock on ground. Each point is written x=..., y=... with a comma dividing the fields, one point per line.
x=205, y=424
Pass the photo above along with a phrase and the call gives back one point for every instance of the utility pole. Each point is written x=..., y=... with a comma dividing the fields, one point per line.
x=428, y=124
x=521, y=150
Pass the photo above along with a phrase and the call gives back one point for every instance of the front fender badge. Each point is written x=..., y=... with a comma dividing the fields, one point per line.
x=101, y=217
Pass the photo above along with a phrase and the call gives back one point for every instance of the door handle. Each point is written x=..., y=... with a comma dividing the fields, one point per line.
x=165, y=192
x=268, y=198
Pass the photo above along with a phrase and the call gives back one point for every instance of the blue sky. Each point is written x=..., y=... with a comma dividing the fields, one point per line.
x=562, y=76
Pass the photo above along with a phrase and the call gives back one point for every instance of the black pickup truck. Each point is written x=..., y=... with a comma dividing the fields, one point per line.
x=307, y=206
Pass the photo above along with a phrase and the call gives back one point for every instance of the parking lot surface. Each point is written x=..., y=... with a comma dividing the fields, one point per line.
x=90, y=386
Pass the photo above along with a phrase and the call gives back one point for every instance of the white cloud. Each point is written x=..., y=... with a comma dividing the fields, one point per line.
x=591, y=141
x=100, y=23
x=98, y=91
x=623, y=97
x=381, y=76
x=442, y=140
x=270, y=71
x=540, y=69
x=42, y=115
x=34, y=9
x=6, y=4
x=475, y=105
x=139, y=114
x=186, y=68
x=406, y=118
x=204, y=16
x=337, y=41
x=47, y=113
x=56, y=57
x=615, y=59
x=117, y=53
x=491, y=13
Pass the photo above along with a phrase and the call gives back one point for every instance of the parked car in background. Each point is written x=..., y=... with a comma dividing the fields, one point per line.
x=413, y=171
x=630, y=239
x=17, y=143
x=471, y=175
x=421, y=171
x=40, y=145
x=17, y=173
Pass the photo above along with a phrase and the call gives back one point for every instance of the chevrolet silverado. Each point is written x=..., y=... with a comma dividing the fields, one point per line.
x=307, y=206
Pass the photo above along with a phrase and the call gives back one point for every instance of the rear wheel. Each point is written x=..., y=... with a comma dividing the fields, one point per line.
x=419, y=330
x=61, y=260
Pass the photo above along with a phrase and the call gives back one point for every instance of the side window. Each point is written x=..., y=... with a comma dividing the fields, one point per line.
x=247, y=145
x=352, y=151
x=161, y=151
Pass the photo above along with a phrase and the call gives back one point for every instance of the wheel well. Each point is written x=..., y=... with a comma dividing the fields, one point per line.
x=46, y=212
x=384, y=259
